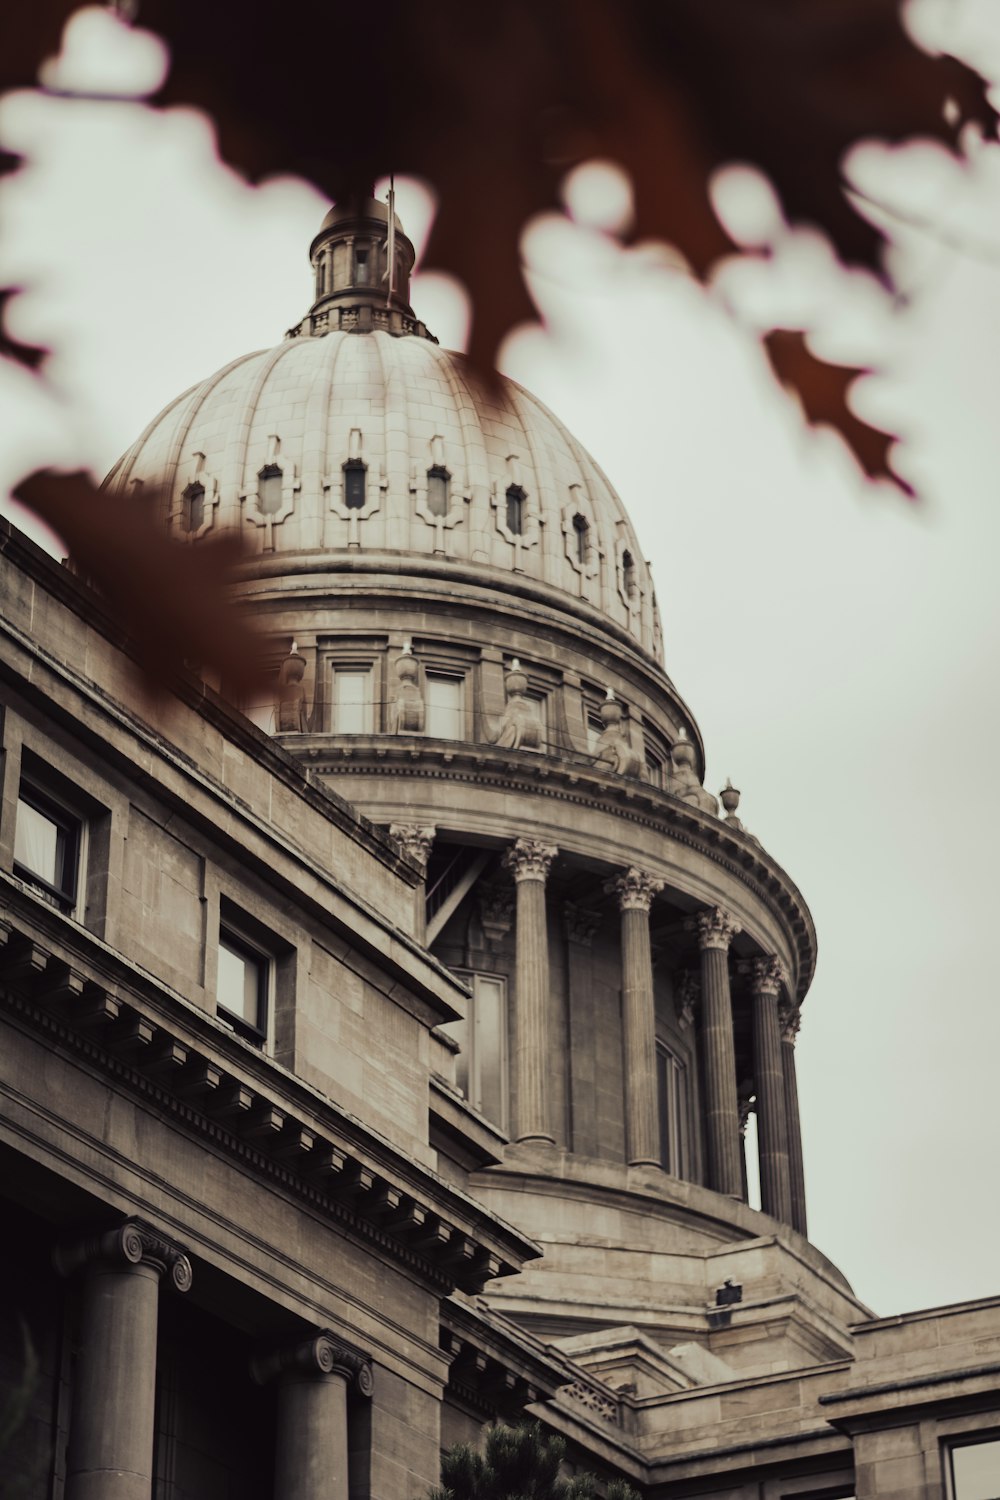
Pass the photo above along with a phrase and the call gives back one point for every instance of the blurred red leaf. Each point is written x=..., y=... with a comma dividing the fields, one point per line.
x=24, y=354
x=173, y=598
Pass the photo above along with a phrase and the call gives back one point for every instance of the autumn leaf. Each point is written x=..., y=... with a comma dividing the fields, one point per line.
x=24, y=354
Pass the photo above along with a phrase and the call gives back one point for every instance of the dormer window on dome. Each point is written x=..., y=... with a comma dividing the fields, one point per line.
x=193, y=503
x=628, y=575
x=269, y=487
x=438, y=490
x=581, y=527
x=354, y=484
x=515, y=509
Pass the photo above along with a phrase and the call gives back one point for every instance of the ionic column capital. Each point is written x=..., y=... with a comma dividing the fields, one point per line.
x=766, y=975
x=789, y=1019
x=416, y=840
x=715, y=929
x=580, y=924
x=635, y=889
x=529, y=859
x=132, y=1243
x=323, y=1354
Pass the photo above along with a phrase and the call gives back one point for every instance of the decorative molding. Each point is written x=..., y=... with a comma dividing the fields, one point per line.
x=580, y=924
x=635, y=889
x=790, y=1019
x=133, y=1243
x=406, y=706
x=766, y=975
x=324, y=1354
x=495, y=900
x=530, y=532
x=715, y=929
x=529, y=859
x=579, y=505
x=194, y=473
x=417, y=841
x=603, y=1406
x=250, y=495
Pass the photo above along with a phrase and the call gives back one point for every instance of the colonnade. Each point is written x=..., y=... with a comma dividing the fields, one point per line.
x=112, y=1423
x=775, y=1023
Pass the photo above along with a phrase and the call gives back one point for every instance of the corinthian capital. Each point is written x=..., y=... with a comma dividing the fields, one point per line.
x=580, y=924
x=766, y=975
x=635, y=889
x=416, y=841
x=324, y=1354
x=528, y=859
x=790, y=1019
x=716, y=928
x=133, y=1243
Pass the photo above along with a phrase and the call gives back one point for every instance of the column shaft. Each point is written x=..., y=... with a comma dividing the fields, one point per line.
x=796, y=1172
x=531, y=1015
x=642, y=1115
x=721, y=1106
x=312, y=1451
x=772, y=1135
x=111, y=1444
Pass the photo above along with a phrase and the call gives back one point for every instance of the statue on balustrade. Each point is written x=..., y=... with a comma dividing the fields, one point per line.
x=292, y=715
x=406, y=707
x=682, y=780
x=520, y=723
x=614, y=750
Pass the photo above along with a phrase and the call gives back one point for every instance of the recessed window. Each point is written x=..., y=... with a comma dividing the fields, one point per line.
x=975, y=1470
x=444, y=714
x=629, y=583
x=352, y=700
x=269, y=487
x=243, y=985
x=595, y=728
x=515, y=510
x=438, y=491
x=481, y=1065
x=672, y=1083
x=320, y=278
x=581, y=541
x=654, y=769
x=361, y=267
x=354, y=485
x=47, y=847
x=193, y=507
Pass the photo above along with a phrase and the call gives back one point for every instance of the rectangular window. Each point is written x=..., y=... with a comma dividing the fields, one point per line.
x=352, y=701
x=445, y=705
x=481, y=1065
x=974, y=1470
x=654, y=769
x=673, y=1098
x=595, y=728
x=243, y=985
x=47, y=847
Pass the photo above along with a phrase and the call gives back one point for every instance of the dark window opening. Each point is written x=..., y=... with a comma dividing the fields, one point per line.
x=46, y=848
x=581, y=529
x=354, y=485
x=438, y=486
x=193, y=501
x=515, y=510
x=269, y=486
x=628, y=575
x=361, y=267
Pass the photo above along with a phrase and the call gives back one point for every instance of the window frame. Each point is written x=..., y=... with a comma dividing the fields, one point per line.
x=355, y=668
x=466, y=1034
x=951, y=1445
x=234, y=938
x=433, y=673
x=673, y=1102
x=68, y=820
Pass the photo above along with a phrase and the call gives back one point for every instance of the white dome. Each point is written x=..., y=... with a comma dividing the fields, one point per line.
x=401, y=407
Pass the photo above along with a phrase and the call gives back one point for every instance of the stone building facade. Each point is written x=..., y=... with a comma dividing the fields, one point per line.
x=378, y=1059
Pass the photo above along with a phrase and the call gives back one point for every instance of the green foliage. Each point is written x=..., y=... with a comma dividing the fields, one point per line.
x=519, y=1463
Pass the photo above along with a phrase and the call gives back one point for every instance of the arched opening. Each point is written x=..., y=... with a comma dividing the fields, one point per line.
x=269, y=485
x=193, y=507
x=515, y=509
x=354, y=484
x=438, y=487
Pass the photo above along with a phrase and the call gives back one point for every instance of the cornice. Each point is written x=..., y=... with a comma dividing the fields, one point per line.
x=251, y=1110
x=549, y=777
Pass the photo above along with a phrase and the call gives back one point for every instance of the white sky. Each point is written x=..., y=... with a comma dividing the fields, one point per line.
x=838, y=645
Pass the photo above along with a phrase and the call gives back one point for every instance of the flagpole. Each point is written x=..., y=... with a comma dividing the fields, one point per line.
x=391, y=245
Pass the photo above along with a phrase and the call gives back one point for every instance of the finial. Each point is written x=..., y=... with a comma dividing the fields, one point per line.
x=294, y=650
x=407, y=648
x=682, y=733
x=515, y=665
x=609, y=696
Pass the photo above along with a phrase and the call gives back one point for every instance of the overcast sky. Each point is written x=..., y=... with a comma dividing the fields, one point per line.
x=838, y=644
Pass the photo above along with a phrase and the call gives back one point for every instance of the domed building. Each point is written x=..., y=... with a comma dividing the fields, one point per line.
x=410, y=1048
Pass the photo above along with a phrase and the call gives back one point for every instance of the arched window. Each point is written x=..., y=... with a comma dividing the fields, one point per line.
x=193, y=513
x=515, y=509
x=581, y=528
x=628, y=575
x=361, y=267
x=269, y=485
x=354, y=484
x=438, y=486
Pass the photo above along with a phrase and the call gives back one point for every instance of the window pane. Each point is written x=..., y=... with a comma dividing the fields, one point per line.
x=269, y=490
x=239, y=986
x=194, y=507
x=39, y=843
x=352, y=703
x=444, y=718
x=581, y=528
x=490, y=1020
x=976, y=1471
x=437, y=491
x=515, y=510
x=595, y=728
x=354, y=486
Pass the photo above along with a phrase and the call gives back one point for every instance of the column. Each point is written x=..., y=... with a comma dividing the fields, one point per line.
x=789, y=1018
x=716, y=930
x=635, y=891
x=772, y=1136
x=311, y=1450
x=586, y=1095
x=528, y=862
x=111, y=1428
